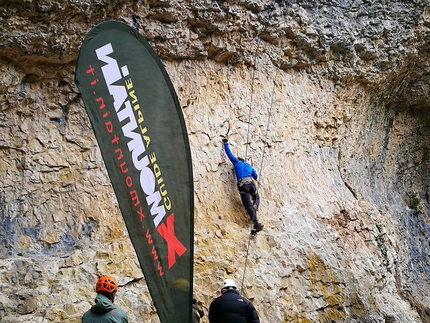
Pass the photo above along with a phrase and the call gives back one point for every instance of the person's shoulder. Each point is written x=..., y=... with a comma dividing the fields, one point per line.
x=247, y=301
x=214, y=304
x=231, y=295
x=86, y=314
x=121, y=313
x=219, y=298
x=120, y=310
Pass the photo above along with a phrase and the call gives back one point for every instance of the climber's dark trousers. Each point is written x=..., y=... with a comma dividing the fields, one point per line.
x=249, y=191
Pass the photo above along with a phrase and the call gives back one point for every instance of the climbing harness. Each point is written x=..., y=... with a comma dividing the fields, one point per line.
x=245, y=180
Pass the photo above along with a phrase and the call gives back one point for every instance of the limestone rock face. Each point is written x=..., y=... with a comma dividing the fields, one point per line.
x=330, y=100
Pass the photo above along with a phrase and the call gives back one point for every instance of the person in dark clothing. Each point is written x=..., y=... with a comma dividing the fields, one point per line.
x=231, y=307
x=245, y=175
x=197, y=312
x=104, y=311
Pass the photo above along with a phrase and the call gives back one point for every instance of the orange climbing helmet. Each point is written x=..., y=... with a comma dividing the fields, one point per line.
x=106, y=284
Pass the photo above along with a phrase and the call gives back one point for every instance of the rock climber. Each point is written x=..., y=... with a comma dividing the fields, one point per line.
x=104, y=311
x=231, y=307
x=246, y=177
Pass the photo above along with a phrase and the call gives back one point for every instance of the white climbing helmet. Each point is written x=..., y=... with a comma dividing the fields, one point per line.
x=228, y=283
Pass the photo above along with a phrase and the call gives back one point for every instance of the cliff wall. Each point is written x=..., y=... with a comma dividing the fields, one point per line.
x=330, y=100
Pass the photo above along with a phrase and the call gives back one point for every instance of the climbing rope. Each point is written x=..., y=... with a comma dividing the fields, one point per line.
x=252, y=95
x=246, y=154
x=264, y=149
x=269, y=114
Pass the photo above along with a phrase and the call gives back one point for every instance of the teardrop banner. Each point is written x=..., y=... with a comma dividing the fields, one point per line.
x=141, y=132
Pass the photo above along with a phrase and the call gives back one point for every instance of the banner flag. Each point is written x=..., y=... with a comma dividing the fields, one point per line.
x=140, y=129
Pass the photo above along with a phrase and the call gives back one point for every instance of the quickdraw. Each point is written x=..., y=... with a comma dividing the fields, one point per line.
x=228, y=126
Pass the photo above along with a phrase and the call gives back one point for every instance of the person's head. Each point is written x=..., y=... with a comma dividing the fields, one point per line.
x=228, y=284
x=107, y=286
x=241, y=158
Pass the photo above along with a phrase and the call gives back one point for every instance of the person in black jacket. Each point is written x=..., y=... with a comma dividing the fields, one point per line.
x=231, y=307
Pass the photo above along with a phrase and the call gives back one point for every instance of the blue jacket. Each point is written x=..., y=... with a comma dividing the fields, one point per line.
x=241, y=168
x=104, y=312
x=230, y=307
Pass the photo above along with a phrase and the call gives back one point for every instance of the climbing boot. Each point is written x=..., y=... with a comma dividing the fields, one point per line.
x=257, y=228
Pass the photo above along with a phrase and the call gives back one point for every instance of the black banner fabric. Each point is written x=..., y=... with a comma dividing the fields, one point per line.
x=139, y=126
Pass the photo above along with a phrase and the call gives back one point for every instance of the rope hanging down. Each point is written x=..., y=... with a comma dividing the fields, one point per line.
x=265, y=141
x=252, y=95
